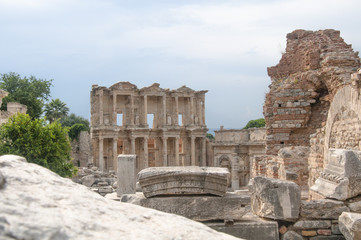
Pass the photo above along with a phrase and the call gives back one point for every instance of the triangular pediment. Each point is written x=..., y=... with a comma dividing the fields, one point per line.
x=123, y=86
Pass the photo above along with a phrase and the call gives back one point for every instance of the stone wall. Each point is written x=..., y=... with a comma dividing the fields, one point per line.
x=237, y=150
x=307, y=86
x=81, y=150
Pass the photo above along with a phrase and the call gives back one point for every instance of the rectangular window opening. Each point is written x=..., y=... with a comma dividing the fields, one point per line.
x=120, y=119
x=180, y=120
x=150, y=120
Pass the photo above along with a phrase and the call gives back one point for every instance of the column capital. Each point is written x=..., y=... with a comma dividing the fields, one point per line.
x=164, y=137
x=146, y=137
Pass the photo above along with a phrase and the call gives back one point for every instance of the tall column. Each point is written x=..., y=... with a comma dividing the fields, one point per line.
x=101, y=155
x=164, y=110
x=114, y=110
x=193, y=150
x=131, y=110
x=132, y=145
x=165, y=151
x=203, y=111
x=115, y=153
x=101, y=113
x=191, y=112
x=145, y=146
x=176, y=147
x=176, y=111
x=204, y=152
x=234, y=175
x=145, y=120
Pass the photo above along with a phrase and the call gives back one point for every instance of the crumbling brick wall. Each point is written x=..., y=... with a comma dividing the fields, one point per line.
x=311, y=71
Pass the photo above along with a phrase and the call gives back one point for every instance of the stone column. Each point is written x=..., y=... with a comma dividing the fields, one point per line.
x=132, y=145
x=114, y=109
x=101, y=113
x=101, y=155
x=192, y=111
x=131, y=110
x=193, y=150
x=145, y=120
x=126, y=175
x=164, y=110
x=203, y=111
x=234, y=173
x=204, y=152
x=176, y=110
x=177, y=151
x=115, y=153
x=145, y=146
x=165, y=151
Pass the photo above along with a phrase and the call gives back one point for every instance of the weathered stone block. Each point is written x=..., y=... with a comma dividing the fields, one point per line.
x=332, y=237
x=292, y=235
x=200, y=208
x=250, y=229
x=312, y=224
x=341, y=176
x=275, y=199
x=309, y=233
x=187, y=180
x=350, y=225
x=322, y=209
x=126, y=174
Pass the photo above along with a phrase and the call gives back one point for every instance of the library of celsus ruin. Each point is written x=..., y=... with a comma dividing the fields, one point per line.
x=162, y=127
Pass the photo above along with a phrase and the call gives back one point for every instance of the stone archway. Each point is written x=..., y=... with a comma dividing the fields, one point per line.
x=343, y=126
x=225, y=162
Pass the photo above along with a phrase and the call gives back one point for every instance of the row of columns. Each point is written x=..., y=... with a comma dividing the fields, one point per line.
x=192, y=110
x=145, y=147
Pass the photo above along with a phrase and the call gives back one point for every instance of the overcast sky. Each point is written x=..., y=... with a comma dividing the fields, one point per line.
x=223, y=46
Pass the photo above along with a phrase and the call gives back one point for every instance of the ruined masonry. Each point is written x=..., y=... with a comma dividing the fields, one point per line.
x=162, y=127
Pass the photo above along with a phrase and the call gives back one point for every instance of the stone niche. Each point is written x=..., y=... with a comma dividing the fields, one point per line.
x=341, y=176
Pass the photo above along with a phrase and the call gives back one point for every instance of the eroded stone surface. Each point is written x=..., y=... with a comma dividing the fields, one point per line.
x=291, y=235
x=253, y=228
x=350, y=225
x=322, y=209
x=200, y=208
x=275, y=199
x=35, y=203
x=342, y=175
x=188, y=180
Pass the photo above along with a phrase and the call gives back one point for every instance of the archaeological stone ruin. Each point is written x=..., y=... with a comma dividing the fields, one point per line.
x=148, y=157
x=162, y=127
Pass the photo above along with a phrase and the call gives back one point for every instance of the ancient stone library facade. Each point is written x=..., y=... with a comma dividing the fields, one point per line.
x=162, y=127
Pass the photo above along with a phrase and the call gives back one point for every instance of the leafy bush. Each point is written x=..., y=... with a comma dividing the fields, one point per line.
x=41, y=143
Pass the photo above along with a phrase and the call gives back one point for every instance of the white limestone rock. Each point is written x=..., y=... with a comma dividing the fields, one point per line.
x=35, y=203
x=350, y=225
x=275, y=199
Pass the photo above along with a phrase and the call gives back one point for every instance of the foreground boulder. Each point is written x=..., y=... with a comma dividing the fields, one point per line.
x=35, y=203
x=275, y=199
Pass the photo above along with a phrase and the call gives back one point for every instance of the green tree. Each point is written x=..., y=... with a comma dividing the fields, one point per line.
x=210, y=136
x=56, y=109
x=31, y=92
x=75, y=130
x=258, y=123
x=72, y=119
x=41, y=143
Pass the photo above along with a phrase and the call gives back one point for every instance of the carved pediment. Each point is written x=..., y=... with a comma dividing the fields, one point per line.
x=153, y=88
x=184, y=88
x=123, y=86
